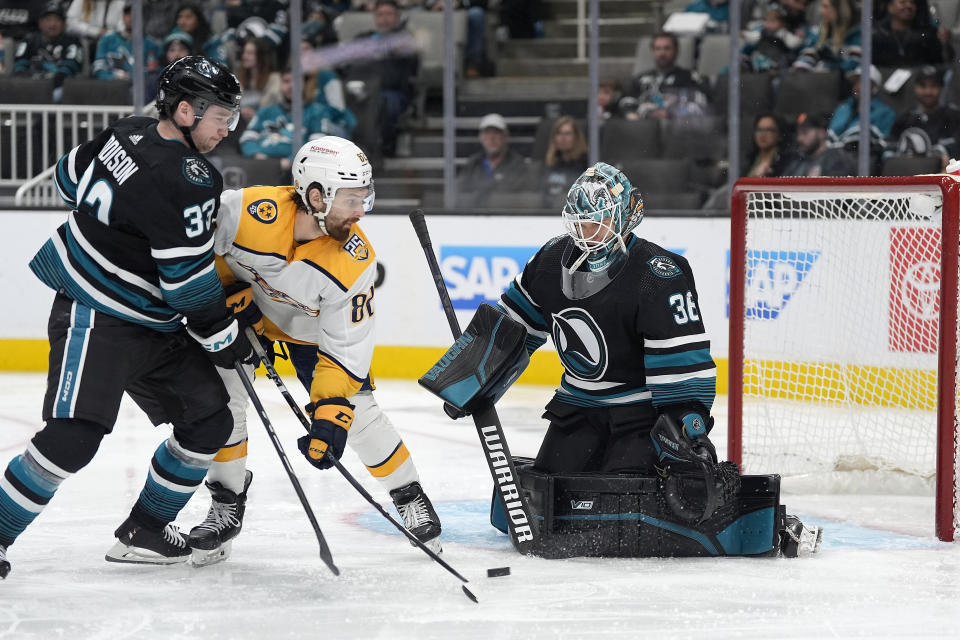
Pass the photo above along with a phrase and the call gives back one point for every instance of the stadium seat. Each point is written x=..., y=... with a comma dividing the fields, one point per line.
x=756, y=93
x=16, y=90
x=671, y=176
x=910, y=166
x=714, y=54
x=242, y=171
x=808, y=92
x=98, y=92
x=703, y=138
x=662, y=200
x=627, y=140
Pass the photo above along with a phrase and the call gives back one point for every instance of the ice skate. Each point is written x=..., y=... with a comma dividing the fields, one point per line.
x=418, y=515
x=139, y=544
x=798, y=539
x=211, y=541
x=4, y=563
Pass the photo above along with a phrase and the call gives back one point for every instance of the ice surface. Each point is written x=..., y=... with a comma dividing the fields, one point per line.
x=881, y=573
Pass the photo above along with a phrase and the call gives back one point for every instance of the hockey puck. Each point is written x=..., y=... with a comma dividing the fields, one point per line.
x=498, y=571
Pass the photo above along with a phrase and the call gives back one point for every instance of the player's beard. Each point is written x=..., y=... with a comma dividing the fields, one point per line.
x=341, y=231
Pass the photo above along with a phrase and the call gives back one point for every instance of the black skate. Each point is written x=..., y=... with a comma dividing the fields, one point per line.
x=139, y=544
x=418, y=515
x=212, y=540
x=798, y=539
x=4, y=563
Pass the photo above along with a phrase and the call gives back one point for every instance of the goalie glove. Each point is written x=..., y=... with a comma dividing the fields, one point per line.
x=332, y=418
x=693, y=484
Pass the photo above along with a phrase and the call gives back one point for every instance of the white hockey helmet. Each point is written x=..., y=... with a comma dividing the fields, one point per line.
x=332, y=163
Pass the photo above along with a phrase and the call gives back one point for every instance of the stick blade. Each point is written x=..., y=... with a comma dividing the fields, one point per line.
x=469, y=594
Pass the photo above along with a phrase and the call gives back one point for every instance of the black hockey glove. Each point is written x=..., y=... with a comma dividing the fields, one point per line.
x=332, y=418
x=225, y=343
x=240, y=302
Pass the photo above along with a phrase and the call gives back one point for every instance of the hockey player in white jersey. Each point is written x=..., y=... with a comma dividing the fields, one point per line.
x=297, y=255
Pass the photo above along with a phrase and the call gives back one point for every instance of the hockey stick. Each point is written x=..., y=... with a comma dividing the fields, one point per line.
x=273, y=375
x=524, y=530
x=325, y=554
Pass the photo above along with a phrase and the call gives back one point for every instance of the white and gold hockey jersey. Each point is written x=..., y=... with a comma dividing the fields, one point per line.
x=319, y=292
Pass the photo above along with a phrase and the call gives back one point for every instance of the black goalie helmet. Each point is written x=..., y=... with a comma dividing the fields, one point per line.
x=202, y=81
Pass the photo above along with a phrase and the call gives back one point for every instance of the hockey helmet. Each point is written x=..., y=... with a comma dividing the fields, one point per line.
x=203, y=82
x=601, y=208
x=332, y=163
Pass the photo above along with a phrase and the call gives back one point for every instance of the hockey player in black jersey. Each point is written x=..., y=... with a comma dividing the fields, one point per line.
x=139, y=309
x=626, y=466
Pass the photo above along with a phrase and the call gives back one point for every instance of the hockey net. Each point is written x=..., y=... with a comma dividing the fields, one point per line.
x=843, y=334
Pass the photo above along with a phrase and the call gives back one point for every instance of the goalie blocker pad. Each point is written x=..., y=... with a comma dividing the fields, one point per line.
x=482, y=364
x=627, y=516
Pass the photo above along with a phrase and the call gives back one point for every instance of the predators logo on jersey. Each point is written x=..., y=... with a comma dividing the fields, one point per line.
x=357, y=249
x=263, y=210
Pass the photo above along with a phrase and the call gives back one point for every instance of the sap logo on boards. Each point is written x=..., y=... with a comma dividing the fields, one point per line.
x=476, y=274
x=773, y=278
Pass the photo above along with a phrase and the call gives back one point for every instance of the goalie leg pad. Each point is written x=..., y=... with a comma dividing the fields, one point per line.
x=482, y=364
x=622, y=515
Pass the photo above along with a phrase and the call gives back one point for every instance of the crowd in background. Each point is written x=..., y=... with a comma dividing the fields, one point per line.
x=781, y=39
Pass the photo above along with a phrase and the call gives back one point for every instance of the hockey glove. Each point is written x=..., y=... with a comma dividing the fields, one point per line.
x=225, y=343
x=240, y=302
x=332, y=418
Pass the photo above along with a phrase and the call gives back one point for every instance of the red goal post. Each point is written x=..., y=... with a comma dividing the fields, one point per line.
x=843, y=330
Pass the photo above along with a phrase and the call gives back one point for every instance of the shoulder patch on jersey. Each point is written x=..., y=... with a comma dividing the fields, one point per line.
x=663, y=267
x=197, y=172
x=264, y=210
x=357, y=248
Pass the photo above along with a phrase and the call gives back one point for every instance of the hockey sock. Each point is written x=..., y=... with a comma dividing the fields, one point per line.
x=229, y=467
x=175, y=473
x=393, y=470
x=25, y=489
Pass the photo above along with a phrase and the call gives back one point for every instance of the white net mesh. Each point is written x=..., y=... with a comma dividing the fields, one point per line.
x=842, y=307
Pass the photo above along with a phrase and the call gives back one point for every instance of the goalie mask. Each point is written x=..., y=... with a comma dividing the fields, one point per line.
x=602, y=207
x=331, y=163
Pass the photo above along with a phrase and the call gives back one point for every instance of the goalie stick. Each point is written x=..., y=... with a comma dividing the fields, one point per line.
x=273, y=375
x=325, y=554
x=524, y=530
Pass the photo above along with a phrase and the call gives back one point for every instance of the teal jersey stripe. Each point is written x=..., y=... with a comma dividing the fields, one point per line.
x=686, y=358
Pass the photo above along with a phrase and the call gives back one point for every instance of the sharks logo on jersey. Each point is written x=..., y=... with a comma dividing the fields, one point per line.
x=580, y=344
x=663, y=267
x=264, y=210
x=197, y=172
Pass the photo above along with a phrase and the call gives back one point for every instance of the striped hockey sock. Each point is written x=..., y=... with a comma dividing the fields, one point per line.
x=26, y=487
x=175, y=473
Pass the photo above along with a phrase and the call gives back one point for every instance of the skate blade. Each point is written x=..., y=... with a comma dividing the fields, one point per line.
x=135, y=555
x=206, y=557
x=433, y=544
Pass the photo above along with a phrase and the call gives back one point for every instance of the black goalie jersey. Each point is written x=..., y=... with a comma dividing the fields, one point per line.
x=138, y=244
x=639, y=340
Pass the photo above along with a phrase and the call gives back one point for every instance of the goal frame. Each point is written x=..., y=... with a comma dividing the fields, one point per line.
x=947, y=339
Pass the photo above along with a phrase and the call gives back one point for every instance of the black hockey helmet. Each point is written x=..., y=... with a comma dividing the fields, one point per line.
x=202, y=81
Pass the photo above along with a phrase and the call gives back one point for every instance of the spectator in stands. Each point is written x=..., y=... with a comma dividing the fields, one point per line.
x=520, y=19
x=565, y=160
x=608, y=99
x=114, y=58
x=771, y=46
x=49, y=52
x=814, y=157
x=718, y=10
x=845, y=124
x=191, y=20
x=91, y=19
x=397, y=69
x=668, y=91
x=496, y=168
x=270, y=133
x=258, y=76
x=903, y=37
x=317, y=29
x=475, y=58
x=259, y=19
x=17, y=19
x=770, y=154
x=939, y=123
x=176, y=45
x=835, y=42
